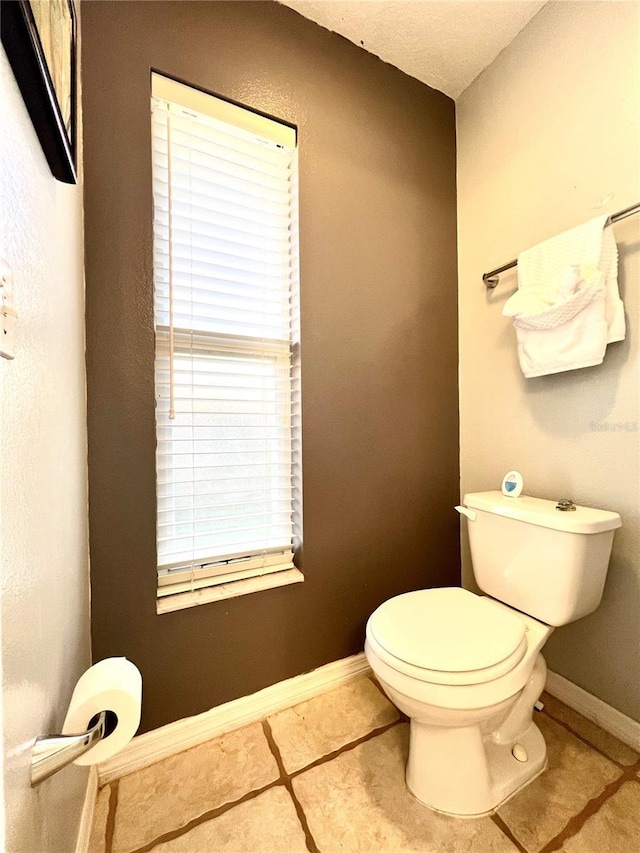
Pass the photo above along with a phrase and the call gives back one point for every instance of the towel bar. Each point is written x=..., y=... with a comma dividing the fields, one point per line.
x=492, y=278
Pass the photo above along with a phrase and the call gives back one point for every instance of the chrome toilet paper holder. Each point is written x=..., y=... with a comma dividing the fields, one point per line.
x=53, y=752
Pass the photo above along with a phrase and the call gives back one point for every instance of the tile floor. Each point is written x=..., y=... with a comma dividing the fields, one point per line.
x=328, y=776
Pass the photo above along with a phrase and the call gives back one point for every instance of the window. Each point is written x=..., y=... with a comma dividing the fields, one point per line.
x=227, y=351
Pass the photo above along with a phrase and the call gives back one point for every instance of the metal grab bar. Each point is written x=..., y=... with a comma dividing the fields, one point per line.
x=53, y=752
x=492, y=278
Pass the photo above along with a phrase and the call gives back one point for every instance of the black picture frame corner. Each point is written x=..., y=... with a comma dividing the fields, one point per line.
x=21, y=41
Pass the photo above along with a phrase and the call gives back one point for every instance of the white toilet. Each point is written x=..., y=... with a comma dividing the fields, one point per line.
x=467, y=669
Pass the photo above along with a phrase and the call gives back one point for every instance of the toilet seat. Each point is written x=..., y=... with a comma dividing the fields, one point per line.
x=447, y=636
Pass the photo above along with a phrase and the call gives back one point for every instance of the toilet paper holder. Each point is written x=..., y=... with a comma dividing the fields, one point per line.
x=53, y=752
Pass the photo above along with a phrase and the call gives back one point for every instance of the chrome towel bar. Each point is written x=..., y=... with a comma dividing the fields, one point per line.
x=492, y=278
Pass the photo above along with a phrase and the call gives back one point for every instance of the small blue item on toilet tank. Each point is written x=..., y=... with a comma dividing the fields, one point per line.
x=512, y=484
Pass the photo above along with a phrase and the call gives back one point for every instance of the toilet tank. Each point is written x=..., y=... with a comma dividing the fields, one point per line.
x=545, y=562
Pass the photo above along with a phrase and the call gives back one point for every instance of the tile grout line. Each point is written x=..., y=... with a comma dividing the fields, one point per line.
x=312, y=847
x=372, y=678
x=504, y=828
x=282, y=781
x=576, y=822
x=110, y=825
x=285, y=779
x=172, y=834
x=324, y=759
x=588, y=743
x=273, y=746
x=571, y=828
x=591, y=808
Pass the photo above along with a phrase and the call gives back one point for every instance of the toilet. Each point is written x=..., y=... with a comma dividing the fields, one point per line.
x=467, y=669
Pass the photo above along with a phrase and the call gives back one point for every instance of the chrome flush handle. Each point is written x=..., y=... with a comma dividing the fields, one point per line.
x=566, y=505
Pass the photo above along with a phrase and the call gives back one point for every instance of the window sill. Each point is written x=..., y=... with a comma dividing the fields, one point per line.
x=182, y=600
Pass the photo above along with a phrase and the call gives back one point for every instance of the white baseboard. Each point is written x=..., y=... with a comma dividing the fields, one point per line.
x=175, y=737
x=610, y=719
x=183, y=734
x=88, y=808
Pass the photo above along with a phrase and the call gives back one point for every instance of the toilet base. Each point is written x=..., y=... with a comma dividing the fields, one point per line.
x=475, y=775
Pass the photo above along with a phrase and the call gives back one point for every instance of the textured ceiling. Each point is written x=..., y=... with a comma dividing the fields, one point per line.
x=444, y=44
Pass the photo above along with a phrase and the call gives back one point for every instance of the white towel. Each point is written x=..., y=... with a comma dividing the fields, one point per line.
x=569, y=335
x=567, y=307
x=543, y=266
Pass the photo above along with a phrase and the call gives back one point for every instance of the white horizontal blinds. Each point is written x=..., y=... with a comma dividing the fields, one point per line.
x=296, y=378
x=225, y=276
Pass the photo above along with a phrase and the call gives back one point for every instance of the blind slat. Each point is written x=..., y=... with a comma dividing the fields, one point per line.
x=189, y=501
x=191, y=579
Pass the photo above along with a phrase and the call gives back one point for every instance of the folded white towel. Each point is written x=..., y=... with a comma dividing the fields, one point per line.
x=543, y=266
x=567, y=307
x=546, y=345
x=557, y=303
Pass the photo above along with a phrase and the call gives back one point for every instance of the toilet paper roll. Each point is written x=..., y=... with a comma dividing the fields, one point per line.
x=115, y=685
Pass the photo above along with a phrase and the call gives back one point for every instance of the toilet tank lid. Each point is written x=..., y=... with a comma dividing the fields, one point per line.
x=543, y=513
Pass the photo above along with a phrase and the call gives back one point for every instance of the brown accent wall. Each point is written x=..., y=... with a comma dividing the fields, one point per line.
x=379, y=341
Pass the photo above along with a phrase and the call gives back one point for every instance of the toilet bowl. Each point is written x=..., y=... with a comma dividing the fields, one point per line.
x=467, y=669
x=467, y=720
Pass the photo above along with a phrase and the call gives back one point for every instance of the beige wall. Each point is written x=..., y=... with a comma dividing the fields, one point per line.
x=546, y=132
x=43, y=496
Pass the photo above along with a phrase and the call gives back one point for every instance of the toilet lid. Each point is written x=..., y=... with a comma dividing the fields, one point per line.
x=447, y=630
